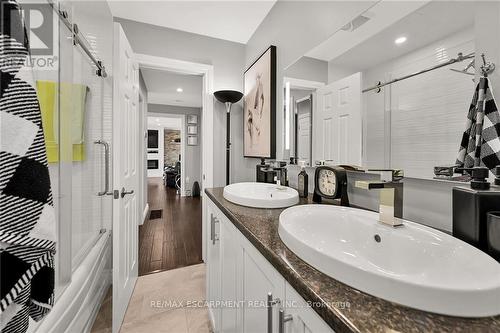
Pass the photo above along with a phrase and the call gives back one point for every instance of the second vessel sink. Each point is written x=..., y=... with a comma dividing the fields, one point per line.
x=412, y=265
x=261, y=195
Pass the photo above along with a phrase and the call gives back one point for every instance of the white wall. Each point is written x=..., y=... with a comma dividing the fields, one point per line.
x=228, y=59
x=295, y=27
x=336, y=73
x=308, y=69
x=143, y=169
x=487, y=36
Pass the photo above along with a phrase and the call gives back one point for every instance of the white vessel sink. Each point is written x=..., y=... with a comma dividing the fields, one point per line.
x=261, y=195
x=412, y=265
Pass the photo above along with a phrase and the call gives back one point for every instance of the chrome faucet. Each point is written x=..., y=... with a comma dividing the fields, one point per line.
x=391, y=195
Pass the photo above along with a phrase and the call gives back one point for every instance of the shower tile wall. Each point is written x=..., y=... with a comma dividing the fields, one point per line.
x=417, y=124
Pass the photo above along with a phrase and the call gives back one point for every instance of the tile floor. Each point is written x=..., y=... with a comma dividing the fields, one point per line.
x=164, y=302
x=103, y=321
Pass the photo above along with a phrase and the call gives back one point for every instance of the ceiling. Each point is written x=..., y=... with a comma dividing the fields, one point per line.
x=235, y=21
x=162, y=88
x=164, y=122
x=424, y=26
x=378, y=17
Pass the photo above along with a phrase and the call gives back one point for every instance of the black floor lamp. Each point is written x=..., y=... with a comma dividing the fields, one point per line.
x=228, y=97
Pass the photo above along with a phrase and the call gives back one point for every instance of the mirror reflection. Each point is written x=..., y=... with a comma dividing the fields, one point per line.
x=398, y=90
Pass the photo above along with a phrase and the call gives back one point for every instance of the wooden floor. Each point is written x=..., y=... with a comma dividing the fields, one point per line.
x=174, y=240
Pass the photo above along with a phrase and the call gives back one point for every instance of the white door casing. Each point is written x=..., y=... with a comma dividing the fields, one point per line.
x=125, y=174
x=338, y=125
x=207, y=142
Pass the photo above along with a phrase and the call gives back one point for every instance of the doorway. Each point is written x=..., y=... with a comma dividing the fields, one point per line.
x=171, y=236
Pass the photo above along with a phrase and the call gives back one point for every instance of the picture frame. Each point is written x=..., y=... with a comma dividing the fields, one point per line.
x=192, y=140
x=192, y=119
x=192, y=129
x=259, y=100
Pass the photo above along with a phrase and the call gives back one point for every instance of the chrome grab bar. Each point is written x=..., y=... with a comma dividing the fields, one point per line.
x=106, y=166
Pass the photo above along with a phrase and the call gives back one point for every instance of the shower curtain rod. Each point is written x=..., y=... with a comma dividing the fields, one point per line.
x=460, y=57
x=78, y=39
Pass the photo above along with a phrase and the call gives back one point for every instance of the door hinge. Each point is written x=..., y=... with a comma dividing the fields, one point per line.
x=116, y=194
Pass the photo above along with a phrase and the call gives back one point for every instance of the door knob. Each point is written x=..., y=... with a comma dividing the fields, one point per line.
x=124, y=193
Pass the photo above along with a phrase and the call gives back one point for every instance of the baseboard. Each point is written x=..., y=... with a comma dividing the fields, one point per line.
x=145, y=214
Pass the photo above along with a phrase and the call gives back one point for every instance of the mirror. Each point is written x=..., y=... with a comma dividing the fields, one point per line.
x=303, y=128
x=298, y=122
x=415, y=123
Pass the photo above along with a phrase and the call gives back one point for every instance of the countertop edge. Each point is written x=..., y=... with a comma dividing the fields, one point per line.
x=331, y=317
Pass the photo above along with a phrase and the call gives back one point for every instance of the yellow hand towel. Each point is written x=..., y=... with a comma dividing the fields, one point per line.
x=66, y=122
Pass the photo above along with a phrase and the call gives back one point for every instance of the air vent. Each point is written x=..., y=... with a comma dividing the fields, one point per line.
x=155, y=214
x=356, y=23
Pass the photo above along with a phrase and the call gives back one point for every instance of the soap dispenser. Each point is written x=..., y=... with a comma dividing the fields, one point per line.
x=471, y=205
x=303, y=181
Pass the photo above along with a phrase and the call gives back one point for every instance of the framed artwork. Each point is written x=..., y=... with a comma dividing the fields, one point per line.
x=192, y=140
x=192, y=129
x=192, y=119
x=259, y=138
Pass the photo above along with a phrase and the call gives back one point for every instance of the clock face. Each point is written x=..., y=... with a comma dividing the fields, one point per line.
x=327, y=182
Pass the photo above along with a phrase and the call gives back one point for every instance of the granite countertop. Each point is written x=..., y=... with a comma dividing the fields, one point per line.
x=364, y=313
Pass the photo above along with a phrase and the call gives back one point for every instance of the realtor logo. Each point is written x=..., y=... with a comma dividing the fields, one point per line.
x=38, y=18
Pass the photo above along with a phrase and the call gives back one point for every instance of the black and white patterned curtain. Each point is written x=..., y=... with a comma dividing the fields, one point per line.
x=27, y=218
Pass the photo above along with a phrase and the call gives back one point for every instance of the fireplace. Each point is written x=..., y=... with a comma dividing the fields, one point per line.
x=152, y=164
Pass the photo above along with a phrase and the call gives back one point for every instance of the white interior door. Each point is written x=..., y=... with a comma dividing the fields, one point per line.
x=125, y=175
x=338, y=125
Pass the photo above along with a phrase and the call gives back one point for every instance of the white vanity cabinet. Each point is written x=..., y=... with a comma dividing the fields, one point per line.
x=303, y=318
x=245, y=292
x=230, y=266
x=213, y=265
x=263, y=288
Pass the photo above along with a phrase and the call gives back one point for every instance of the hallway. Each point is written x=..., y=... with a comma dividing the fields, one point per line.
x=174, y=239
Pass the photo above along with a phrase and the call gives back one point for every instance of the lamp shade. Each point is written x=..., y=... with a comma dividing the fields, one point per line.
x=228, y=96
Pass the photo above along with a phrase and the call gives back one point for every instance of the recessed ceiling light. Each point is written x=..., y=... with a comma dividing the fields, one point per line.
x=400, y=40
x=179, y=90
